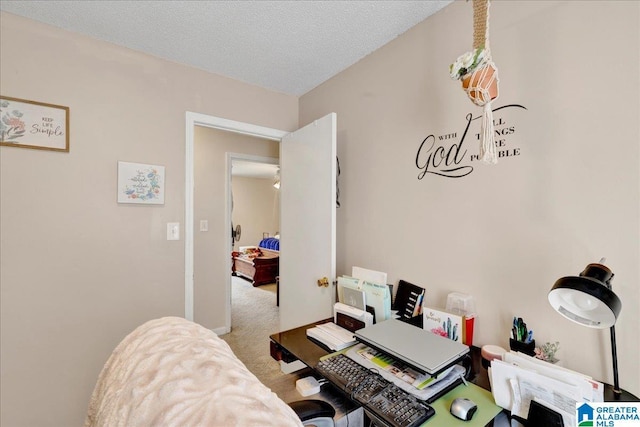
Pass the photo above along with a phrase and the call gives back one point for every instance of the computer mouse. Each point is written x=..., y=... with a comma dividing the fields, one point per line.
x=463, y=408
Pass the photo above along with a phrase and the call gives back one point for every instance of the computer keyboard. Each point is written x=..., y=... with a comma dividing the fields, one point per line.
x=343, y=372
x=382, y=398
x=397, y=407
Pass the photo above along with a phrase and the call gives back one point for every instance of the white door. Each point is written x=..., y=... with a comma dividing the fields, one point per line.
x=308, y=223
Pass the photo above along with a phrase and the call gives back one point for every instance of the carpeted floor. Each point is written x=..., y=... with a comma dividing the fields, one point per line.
x=254, y=317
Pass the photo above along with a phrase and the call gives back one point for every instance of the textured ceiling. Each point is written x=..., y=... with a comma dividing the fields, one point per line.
x=286, y=46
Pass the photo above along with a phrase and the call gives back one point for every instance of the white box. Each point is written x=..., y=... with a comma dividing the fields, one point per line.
x=460, y=303
x=294, y=366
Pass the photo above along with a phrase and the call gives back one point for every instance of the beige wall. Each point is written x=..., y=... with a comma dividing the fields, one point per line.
x=256, y=207
x=503, y=233
x=78, y=271
x=212, y=267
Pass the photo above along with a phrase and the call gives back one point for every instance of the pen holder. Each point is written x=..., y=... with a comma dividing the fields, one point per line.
x=523, y=347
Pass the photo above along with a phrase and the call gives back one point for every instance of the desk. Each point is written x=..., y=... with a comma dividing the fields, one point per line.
x=295, y=345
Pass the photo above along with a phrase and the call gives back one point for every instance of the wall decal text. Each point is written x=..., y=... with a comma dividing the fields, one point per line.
x=448, y=154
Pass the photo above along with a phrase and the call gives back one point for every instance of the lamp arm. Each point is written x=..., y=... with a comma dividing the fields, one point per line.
x=614, y=355
x=614, y=351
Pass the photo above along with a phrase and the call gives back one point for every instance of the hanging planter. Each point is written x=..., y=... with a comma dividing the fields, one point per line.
x=479, y=76
x=482, y=85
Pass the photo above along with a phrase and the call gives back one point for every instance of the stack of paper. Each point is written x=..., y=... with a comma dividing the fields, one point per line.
x=373, y=283
x=422, y=386
x=332, y=335
x=518, y=379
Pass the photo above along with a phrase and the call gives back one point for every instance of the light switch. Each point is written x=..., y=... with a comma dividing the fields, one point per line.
x=204, y=225
x=173, y=231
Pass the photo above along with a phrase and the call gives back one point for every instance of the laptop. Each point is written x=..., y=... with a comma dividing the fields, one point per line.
x=424, y=350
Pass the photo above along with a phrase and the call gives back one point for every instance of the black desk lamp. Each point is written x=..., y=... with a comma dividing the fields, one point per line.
x=587, y=299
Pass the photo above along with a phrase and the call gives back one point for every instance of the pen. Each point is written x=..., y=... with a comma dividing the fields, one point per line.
x=522, y=330
x=530, y=336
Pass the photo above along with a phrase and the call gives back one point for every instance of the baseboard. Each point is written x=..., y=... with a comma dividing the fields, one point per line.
x=221, y=331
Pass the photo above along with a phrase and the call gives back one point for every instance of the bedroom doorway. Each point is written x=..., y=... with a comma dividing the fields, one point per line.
x=308, y=173
x=211, y=143
x=255, y=224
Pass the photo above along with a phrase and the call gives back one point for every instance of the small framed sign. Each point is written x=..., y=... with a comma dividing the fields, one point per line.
x=140, y=183
x=30, y=124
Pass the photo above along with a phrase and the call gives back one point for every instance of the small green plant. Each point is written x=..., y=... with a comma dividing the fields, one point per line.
x=467, y=63
x=547, y=351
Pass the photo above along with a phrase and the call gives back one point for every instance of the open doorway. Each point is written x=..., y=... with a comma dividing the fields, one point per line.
x=255, y=221
x=211, y=145
x=308, y=172
x=255, y=216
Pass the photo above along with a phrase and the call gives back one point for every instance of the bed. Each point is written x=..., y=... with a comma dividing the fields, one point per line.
x=174, y=372
x=258, y=264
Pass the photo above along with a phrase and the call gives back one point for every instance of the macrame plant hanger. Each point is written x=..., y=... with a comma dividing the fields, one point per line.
x=481, y=85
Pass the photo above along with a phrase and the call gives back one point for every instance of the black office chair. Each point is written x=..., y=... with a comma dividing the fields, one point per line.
x=314, y=412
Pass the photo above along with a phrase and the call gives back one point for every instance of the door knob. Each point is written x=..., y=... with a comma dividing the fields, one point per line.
x=323, y=282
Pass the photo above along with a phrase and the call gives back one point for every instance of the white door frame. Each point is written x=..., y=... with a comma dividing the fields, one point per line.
x=192, y=120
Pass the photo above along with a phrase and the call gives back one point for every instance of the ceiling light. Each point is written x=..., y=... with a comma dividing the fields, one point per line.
x=276, y=180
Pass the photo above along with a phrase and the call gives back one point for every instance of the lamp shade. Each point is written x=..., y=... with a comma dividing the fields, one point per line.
x=587, y=299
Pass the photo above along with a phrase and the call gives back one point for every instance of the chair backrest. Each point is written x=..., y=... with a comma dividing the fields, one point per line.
x=314, y=412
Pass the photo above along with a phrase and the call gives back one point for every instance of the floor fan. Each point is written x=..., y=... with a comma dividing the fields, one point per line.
x=235, y=234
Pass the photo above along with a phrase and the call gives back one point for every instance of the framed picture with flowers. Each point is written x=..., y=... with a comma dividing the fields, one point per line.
x=140, y=183
x=30, y=124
